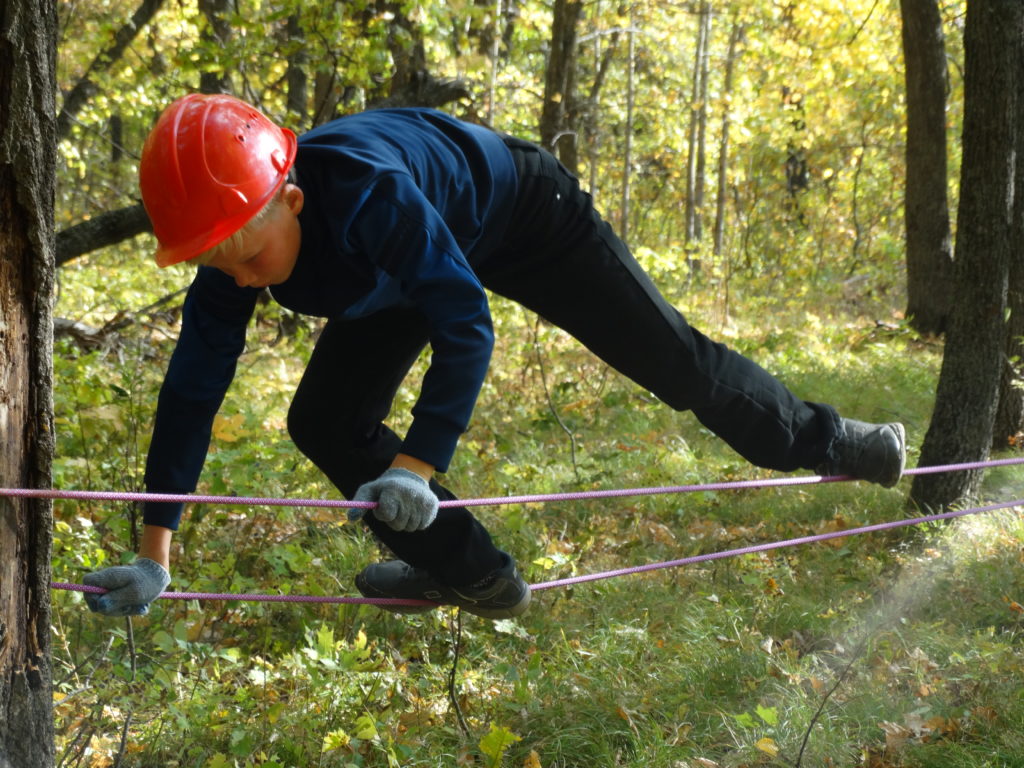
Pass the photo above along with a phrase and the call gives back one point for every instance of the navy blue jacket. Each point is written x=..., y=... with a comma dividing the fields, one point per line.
x=397, y=204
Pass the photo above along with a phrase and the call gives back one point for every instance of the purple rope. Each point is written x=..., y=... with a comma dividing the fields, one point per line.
x=43, y=493
x=772, y=545
x=613, y=493
x=576, y=579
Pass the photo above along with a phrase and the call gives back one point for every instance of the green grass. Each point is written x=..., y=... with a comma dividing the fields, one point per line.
x=897, y=649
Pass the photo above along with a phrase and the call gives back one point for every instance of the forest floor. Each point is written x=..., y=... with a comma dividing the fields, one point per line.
x=899, y=649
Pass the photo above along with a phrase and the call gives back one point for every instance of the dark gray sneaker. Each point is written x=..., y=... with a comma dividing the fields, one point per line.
x=501, y=595
x=873, y=452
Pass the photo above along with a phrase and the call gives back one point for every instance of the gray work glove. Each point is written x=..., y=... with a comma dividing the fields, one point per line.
x=130, y=588
x=404, y=500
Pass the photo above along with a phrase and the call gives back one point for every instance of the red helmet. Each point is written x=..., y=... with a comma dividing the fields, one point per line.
x=209, y=165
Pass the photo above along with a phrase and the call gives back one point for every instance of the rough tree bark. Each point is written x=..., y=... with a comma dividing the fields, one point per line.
x=962, y=422
x=100, y=231
x=28, y=142
x=1008, y=429
x=929, y=243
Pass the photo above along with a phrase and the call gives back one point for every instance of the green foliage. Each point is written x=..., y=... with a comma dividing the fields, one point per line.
x=727, y=664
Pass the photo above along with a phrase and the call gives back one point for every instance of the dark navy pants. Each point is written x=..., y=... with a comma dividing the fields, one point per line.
x=561, y=260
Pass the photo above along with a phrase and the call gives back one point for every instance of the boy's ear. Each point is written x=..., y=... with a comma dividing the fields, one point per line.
x=294, y=198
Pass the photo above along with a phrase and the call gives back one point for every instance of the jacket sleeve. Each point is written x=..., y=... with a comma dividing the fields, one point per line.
x=213, y=322
x=407, y=238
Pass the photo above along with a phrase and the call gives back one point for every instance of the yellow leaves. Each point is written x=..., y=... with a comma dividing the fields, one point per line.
x=834, y=525
x=229, y=428
x=532, y=760
x=335, y=740
x=768, y=746
x=366, y=728
x=110, y=414
x=494, y=744
x=918, y=729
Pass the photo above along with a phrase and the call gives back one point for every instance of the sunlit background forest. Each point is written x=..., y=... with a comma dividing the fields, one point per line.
x=752, y=154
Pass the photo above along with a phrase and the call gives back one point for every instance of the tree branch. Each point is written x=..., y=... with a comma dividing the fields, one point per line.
x=85, y=88
x=423, y=90
x=106, y=229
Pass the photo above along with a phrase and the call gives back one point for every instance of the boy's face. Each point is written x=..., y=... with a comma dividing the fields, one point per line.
x=267, y=255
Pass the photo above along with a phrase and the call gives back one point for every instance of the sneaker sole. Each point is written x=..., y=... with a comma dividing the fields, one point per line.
x=502, y=612
x=901, y=436
x=366, y=591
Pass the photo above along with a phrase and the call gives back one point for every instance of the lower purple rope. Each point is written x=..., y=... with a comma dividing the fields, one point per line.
x=774, y=545
x=577, y=579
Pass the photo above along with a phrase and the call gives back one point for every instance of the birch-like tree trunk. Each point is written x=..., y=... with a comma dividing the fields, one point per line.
x=627, y=154
x=698, y=119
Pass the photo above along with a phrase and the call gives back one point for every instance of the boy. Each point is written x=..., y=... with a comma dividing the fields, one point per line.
x=391, y=225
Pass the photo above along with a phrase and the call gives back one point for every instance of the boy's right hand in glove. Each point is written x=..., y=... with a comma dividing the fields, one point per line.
x=130, y=588
x=404, y=500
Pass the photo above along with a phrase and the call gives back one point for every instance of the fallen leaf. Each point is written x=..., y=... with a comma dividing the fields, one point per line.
x=895, y=734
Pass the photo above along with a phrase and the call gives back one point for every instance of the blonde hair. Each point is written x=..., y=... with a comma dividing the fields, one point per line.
x=236, y=239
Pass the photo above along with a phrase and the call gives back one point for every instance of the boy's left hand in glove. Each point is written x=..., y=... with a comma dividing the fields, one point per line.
x=404, y=500
x=130, y=588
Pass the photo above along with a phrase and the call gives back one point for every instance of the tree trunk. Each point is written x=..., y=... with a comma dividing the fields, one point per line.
x=929, y=243
x=1009, y=427
x=698, y=119
x=411, y=84
x=28, y=146
x=297, y=78
x=627, y=155
x=592, y=113
x=735, y=38
x=559, y=83
x=493, y=51
x=85, y=88
x=962, y=423
x=216, y=34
